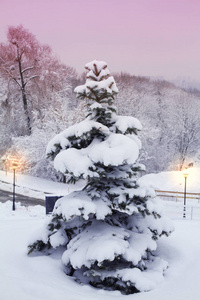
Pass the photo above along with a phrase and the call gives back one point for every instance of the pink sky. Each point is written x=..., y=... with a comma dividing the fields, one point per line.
x=142, y=37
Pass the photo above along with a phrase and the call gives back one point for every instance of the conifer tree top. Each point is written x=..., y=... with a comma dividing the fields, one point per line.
x=99, y=84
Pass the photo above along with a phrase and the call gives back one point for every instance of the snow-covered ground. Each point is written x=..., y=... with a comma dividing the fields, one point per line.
x=42, y=277
x=33, y=186
x=174, y=180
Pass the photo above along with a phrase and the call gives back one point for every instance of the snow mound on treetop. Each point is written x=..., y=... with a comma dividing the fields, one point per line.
x=101, y=65
x=98, y=80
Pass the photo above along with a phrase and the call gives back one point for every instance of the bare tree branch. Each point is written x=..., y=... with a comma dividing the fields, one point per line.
x=29, y=68
x=30, y=79
x=16, y=82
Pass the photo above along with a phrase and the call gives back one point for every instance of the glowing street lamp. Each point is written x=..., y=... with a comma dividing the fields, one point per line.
x=14, y=166
x=185, y=174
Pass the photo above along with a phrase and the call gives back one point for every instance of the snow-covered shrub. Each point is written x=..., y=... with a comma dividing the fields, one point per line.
x=108, y=230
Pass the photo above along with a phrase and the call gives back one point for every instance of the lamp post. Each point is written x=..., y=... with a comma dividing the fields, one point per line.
x=185, y=174
x=15, y=165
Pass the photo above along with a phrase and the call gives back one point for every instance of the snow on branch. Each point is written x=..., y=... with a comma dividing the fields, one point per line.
x=29, y=68
x=30, y=79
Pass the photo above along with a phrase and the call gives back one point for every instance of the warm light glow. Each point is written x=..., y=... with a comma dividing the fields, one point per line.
x=15, y=163
x=186, y=173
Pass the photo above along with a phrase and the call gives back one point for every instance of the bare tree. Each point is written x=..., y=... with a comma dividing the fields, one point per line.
x=18, y=60
x=187, y=130
x=34, y=70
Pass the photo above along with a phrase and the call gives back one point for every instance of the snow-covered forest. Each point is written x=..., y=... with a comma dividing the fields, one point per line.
x=37, y=101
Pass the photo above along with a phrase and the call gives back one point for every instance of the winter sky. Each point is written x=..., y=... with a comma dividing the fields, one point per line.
x=142, y=37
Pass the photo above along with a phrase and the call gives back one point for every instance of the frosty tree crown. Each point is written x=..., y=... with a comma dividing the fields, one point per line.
x=99, y=86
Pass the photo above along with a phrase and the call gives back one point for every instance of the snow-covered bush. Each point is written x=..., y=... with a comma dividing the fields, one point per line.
x=108, y=230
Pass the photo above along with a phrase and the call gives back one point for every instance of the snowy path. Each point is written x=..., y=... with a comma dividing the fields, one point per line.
x=24, y=200
x=42, y=277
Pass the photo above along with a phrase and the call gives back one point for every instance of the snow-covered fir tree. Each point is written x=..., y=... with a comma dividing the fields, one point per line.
x=108, y=230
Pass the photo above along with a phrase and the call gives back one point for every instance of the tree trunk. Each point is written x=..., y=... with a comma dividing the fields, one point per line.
x=28, y=121
x=24, y=98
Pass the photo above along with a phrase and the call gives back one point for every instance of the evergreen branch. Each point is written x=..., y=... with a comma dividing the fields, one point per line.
x=92, y=78
x=102, y=77
x=91, y=90
x=111, y=85
x=96, y=71
x=103, y=95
